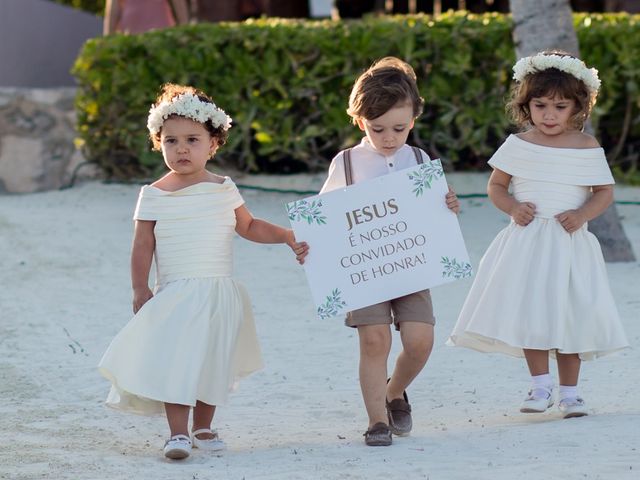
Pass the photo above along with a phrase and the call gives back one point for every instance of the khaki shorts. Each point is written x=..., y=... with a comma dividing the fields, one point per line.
x=416, y=307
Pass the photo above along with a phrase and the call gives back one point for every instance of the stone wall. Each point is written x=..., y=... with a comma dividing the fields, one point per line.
x=37, y=133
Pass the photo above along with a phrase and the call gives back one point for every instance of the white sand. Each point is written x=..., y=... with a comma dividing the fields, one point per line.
x=65, y=293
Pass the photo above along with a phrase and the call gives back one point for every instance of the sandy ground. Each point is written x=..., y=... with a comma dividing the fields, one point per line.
x=65, y=293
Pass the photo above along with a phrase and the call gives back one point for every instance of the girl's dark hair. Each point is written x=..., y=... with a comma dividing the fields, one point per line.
x=168, y=92
x=548, y=83
x=387, y=83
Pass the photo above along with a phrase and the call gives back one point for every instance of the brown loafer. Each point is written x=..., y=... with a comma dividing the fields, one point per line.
x=399, y=414
x=378, y=436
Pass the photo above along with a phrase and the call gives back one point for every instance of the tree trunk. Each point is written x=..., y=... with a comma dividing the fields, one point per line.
x=542, y=25
x=548, y=24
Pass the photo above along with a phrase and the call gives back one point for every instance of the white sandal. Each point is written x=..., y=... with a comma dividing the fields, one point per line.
x=573, y=407
x=177, y=447
x=211, y=444
x=538, y=400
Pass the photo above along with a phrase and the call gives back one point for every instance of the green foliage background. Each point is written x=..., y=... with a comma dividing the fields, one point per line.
x=286, y=85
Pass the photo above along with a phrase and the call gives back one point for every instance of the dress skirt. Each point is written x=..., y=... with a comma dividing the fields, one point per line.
x=538, y=287
x=177, y=347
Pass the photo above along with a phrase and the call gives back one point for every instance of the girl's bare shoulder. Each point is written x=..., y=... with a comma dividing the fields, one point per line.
x=164, y=183
x=582, y=140
x=573, y=139
x=215, y=178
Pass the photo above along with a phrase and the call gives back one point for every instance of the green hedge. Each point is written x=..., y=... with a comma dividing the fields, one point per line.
x=286, y=85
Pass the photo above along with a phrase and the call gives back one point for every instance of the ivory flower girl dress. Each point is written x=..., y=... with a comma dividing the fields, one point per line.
x=196, y=336
x=540, y=287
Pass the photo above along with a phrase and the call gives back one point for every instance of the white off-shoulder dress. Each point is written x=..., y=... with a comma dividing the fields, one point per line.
x=539, y=287
x=196, y=336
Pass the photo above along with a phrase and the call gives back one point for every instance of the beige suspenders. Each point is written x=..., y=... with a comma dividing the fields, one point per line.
x=348, y=172
x=418, y=155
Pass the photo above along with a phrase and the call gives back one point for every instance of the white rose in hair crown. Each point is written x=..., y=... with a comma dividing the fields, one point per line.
x=565, y=63
x=189, y=106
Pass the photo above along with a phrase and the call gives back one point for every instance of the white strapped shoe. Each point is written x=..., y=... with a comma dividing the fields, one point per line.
x=177, y=447
x=538, y=400
x=573, y=407
x=212, y=444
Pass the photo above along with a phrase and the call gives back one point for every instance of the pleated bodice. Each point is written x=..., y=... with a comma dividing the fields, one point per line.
x=194, y=229
x=553, y=179
x=550, y=198
x=567, y=166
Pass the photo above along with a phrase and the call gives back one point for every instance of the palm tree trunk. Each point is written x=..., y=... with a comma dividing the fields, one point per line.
x=542, y=25
x=548, y=24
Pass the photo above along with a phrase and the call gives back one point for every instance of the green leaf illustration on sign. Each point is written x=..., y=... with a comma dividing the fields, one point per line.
x=426, y=173
x=455, y=269
x=309, y=212
x=332, y=306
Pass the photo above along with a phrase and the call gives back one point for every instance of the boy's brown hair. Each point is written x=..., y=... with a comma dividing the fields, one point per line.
x=168, y=92
x=548, y=83
x=387, y=83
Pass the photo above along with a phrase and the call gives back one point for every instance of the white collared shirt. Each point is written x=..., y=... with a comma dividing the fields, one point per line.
x=367, y=163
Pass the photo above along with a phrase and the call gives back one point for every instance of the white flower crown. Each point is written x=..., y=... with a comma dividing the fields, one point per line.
x=190, y=106
x=571, y=65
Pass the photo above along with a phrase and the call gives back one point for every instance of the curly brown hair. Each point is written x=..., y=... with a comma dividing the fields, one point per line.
x=388, y=82
x=548, y=83
x=168, y=92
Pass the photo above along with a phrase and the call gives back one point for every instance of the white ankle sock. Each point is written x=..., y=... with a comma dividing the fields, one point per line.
x=568, y=391
x=541, y=384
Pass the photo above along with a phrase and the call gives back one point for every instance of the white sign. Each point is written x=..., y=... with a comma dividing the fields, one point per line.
x=380, y=239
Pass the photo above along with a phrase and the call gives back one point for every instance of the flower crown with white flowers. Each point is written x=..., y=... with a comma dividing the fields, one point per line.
x=565, y=63
x=190, y=106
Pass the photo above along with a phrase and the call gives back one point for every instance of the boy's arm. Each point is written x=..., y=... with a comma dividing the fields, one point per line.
x=335, y=176
x=144, y=243
x=453, y=203
x=261, y=231
x=498, y=190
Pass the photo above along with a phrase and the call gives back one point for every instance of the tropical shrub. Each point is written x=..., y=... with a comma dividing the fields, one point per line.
x=286, y=85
